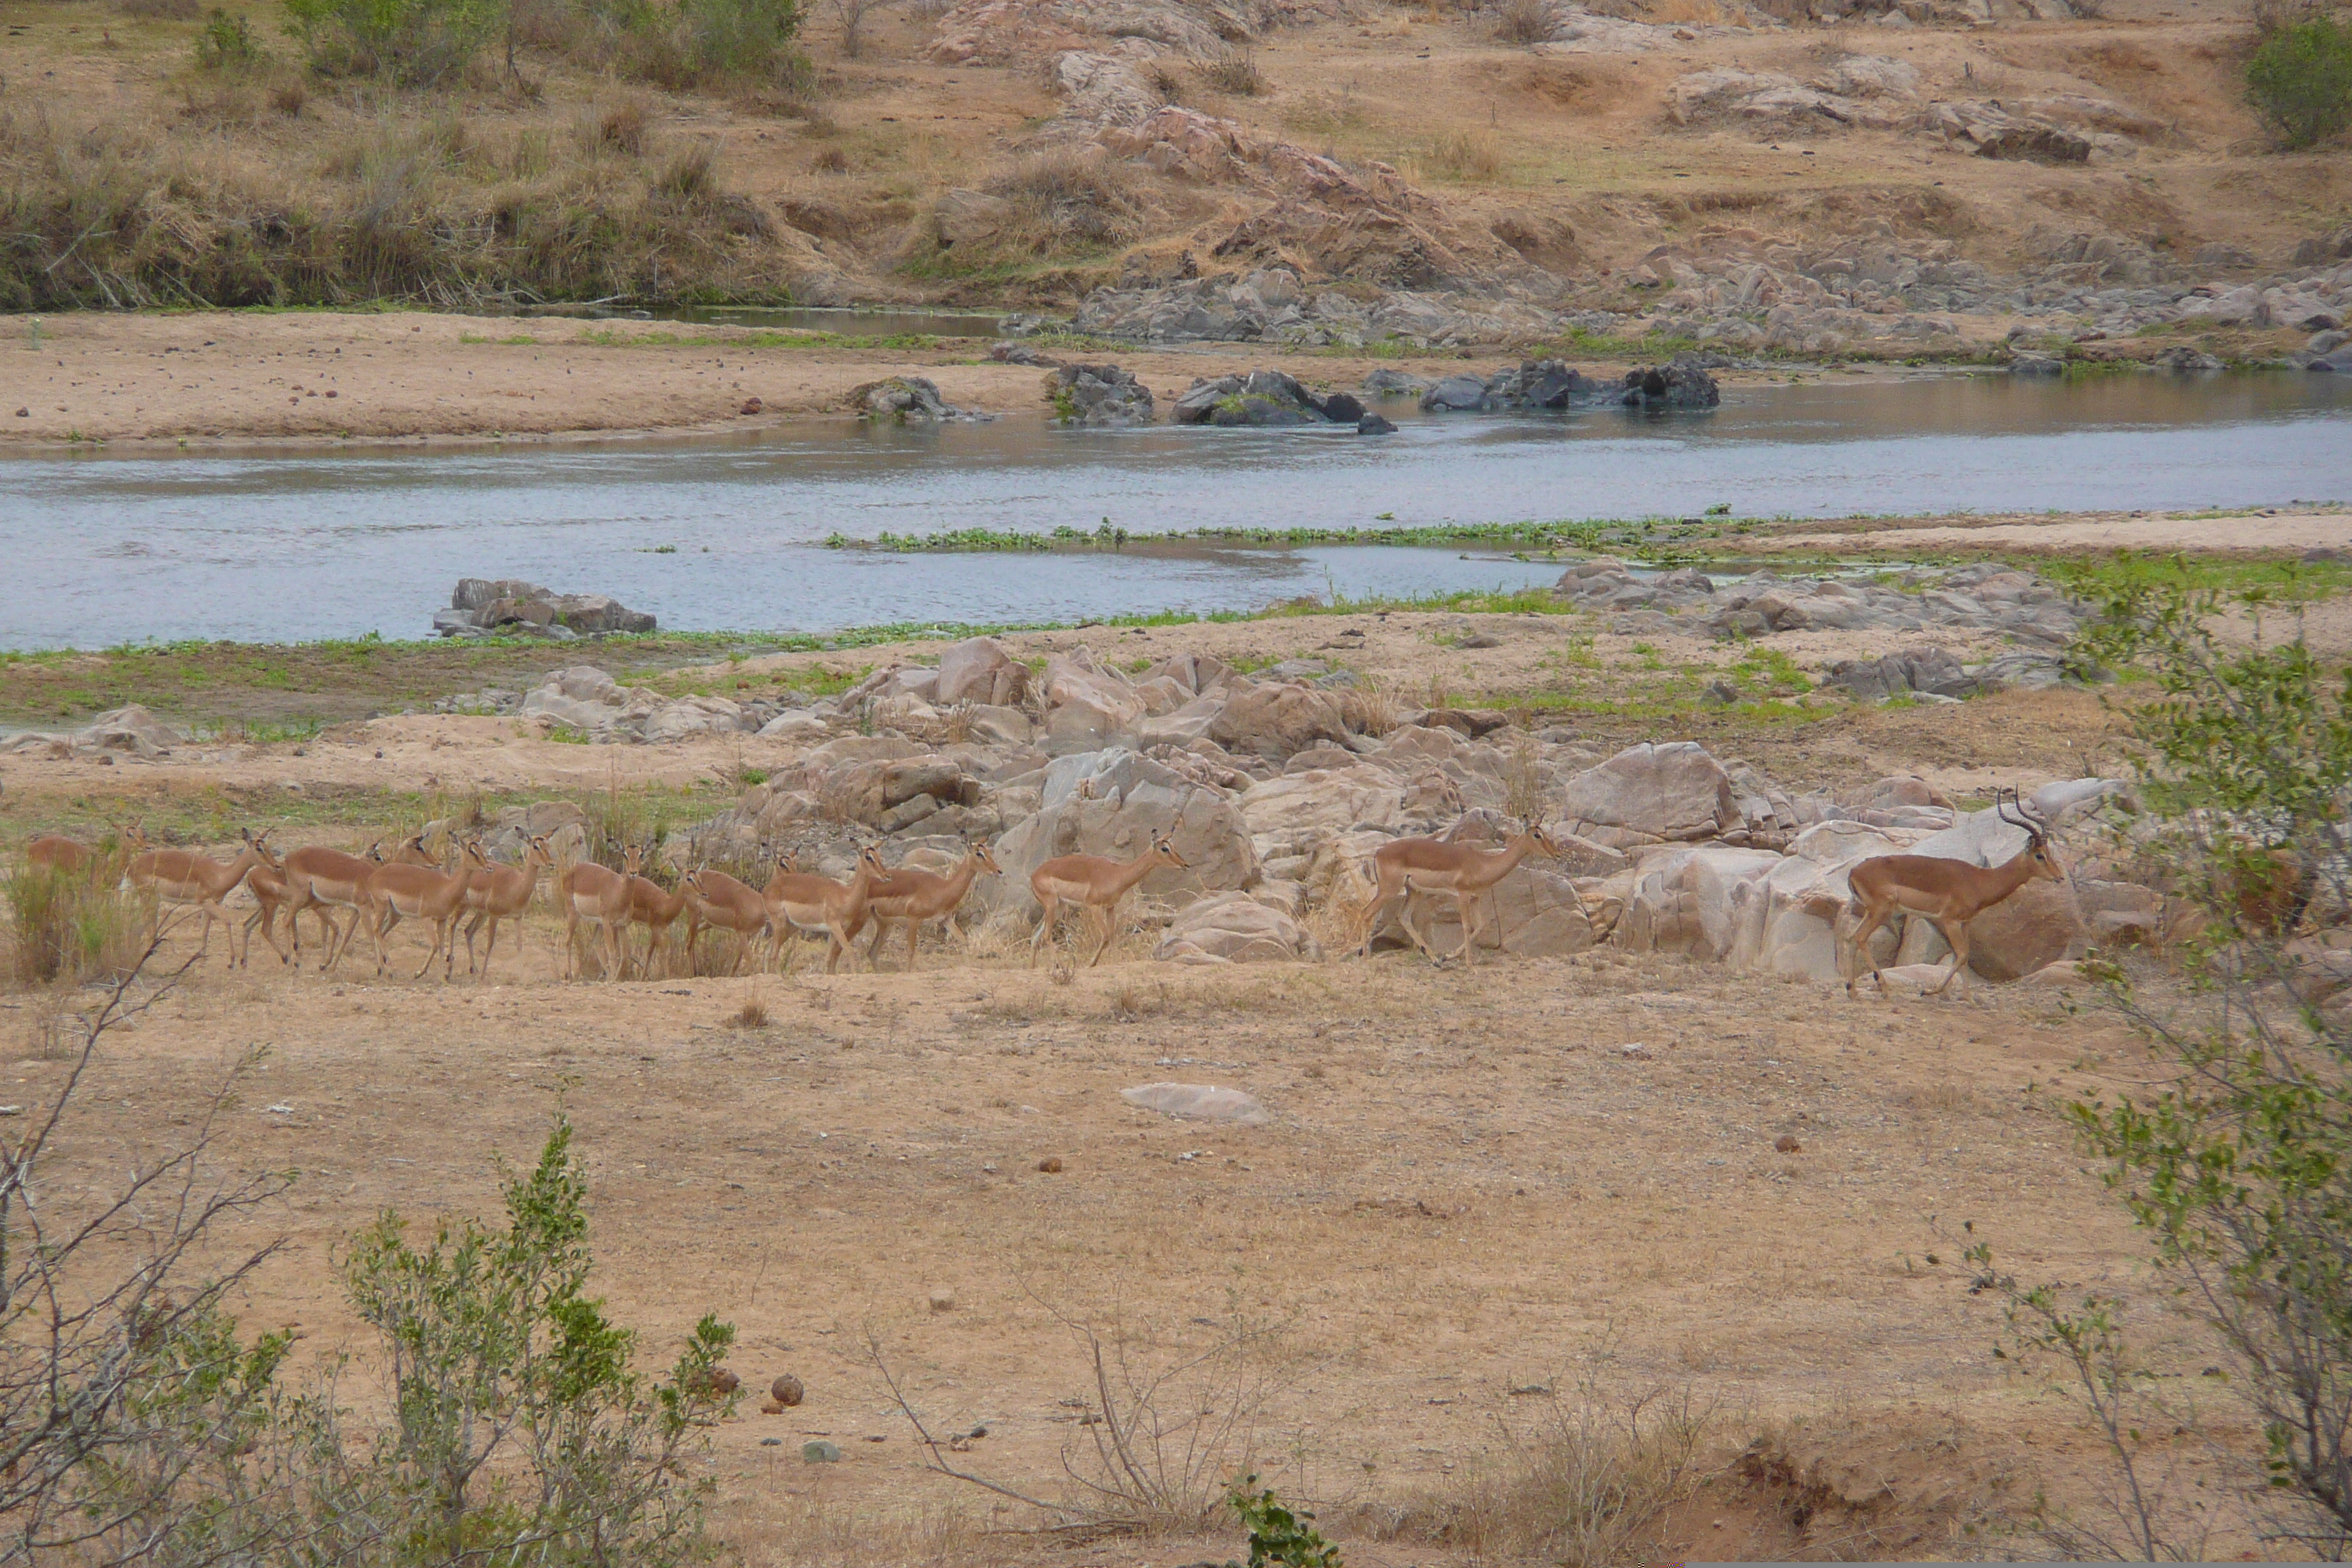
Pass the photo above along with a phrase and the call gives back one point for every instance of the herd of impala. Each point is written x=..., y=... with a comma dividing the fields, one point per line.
x=378, y=891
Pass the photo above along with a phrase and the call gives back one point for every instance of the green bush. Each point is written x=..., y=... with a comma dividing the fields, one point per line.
x=414, y=42
x=2300, y=81
x=226, y=41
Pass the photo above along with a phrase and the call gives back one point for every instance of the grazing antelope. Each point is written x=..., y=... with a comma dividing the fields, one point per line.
x=1403, y=866
x=912, y=897
x=322, y=879
x=397, y=890
x=501, y=892
x=1094, y=882
x=716, y=899
x=656, y=909
x=798, y=902
x=1949, y=892
x=190, y=880
x=589, y=891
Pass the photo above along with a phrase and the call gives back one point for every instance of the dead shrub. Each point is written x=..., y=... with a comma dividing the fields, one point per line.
x=1586, y=1484
x=1233, y=71
x=691, y=173
x=1370, y=708
x=1523, y=794
x=1466, y=155
x=1857, y=1491
x=1523, y=21
x=830, y=160
x=622, y=127
x=1063, y=200
x=289, y=97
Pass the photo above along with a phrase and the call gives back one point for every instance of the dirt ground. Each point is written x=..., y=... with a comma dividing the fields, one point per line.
x=1548, y=1176
x=2268, y=532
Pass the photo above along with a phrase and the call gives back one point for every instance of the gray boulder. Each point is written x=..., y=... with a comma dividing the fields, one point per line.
x=1097, y=395
x=1234, y=928
x=1455, y=395
x=1387, y=382
x=1652, y=794
x=1928, y=669
x=978, y=670
x=482, y=605
x=904, y=400
x=1374, y=425
x=131, y=730
x=1109, y=803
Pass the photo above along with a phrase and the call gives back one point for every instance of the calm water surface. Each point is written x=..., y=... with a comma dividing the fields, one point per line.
x=724, y=532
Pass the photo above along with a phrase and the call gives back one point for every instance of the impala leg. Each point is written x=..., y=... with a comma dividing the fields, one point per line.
x=1870, y=921
x=1044, y=927
x=1384, y=894
x=490, y=946
x=1109, y=918
x=1958, y=936
x=1404, y=918
x=1467, y=912
x=914, y=930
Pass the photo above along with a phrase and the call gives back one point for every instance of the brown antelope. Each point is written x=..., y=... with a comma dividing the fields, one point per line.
x=322, y=879
x=716, y=899
x=397, y=890
x=1097, y=883
x=798, y=902
x=270, y=893
x=501, y=892
x=599, y=894
x=410, y=851
x=1403, y=866
x=912, y=897
x=72, y=858
x=1949, y=892
x=190, y=880
x=656, y=909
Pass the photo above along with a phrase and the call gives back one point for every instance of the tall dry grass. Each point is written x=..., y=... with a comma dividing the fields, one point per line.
x=234, y=201
x=66, y=927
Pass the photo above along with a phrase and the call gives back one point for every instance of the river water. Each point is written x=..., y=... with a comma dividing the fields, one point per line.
x=725, y=533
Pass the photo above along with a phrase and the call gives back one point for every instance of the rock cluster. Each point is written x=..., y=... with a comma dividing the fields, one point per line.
x=1097, y=395
x=906, y=400
x=1983, y=597
x=509, y=607
x=1262, y=398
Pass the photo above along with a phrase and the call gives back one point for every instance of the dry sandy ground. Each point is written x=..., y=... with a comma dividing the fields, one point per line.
x=2271, y=532
x=326, y=376
x=1476, y=1187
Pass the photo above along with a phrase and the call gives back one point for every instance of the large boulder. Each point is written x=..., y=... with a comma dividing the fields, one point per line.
x=130, y=730
x=1260, y=397
x=2039, y=924
x=1929, y=670
x=581, y=696
x=903, y=400
x=978, y=670
x=1234, y=928
x=1670, y=386
x=1110, y=802
x=1273, y=719
x=1302, y=808
x=1652, y=794
x=1086, y=704
x=1707, y=901
x=691, y=716
x=1097, y=395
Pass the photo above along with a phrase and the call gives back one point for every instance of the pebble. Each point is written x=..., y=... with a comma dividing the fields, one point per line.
x=820, y=1452
x=787, y=1390
x=943, y=1302
x=1050, y=1164
x=1786, y=1145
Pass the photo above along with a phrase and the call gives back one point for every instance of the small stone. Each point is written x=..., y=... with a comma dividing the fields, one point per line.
x=942, y=1300
x=787, y=1390
x=771, y=1407
x=1786, y=1145
x=1374, y=424
x=821, y=1452
x=1050, y=1164
x=771, y=1442
x=752, y=405
x=23, y=414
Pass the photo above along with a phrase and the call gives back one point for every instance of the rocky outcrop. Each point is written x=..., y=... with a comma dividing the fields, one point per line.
x=1652, y=794
x=509, y=608
x=978, y=670
x=1235, y=927
x=1261, y=397
x=1097, y=395
x=130, y=730
x=905, y=400
x=1677, y=385
x=1537, y=386
x=1986, y=597
x=1110, y=802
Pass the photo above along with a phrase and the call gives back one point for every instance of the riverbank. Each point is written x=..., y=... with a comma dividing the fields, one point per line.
x=322, y=378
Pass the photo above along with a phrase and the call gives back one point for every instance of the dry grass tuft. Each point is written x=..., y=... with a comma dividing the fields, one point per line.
x=1588, y=1484
x=1233, y=71
x=64, y=929
x=1523, y=21
x=752, y=1015
x=1464, y=155
x=1370, y=708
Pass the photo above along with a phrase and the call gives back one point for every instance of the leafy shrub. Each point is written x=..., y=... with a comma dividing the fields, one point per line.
x=1279, y=1536
x=415, y=43
x=2300, y=81
x=226, y=41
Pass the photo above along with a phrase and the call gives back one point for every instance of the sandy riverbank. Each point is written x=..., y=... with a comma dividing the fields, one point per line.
x=322, y=376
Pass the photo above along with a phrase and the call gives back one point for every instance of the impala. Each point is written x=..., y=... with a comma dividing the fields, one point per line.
x=798, y=902
x=321, y=878
x=716, y=899
x=72, y=857
x=1403, y=866
x=1094, y=882
x=190, y=880
x=270, y=893
x=656, y=909
x=912, y=897
x=599, y=894
x=501, y=892
x=1949, y=892
x=398, y=891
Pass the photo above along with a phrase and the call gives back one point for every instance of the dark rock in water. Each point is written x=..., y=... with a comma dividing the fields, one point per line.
x=1097, y=395
x=1262, y=398
x=1374, y=424
x=905, y=400
x=1387, y=382
x=1455, y=395
x=1671, y=386
x=2182, y=359
x=2036, y=365
x=1340, y=409
x=481, y=606
x=2339, y=364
